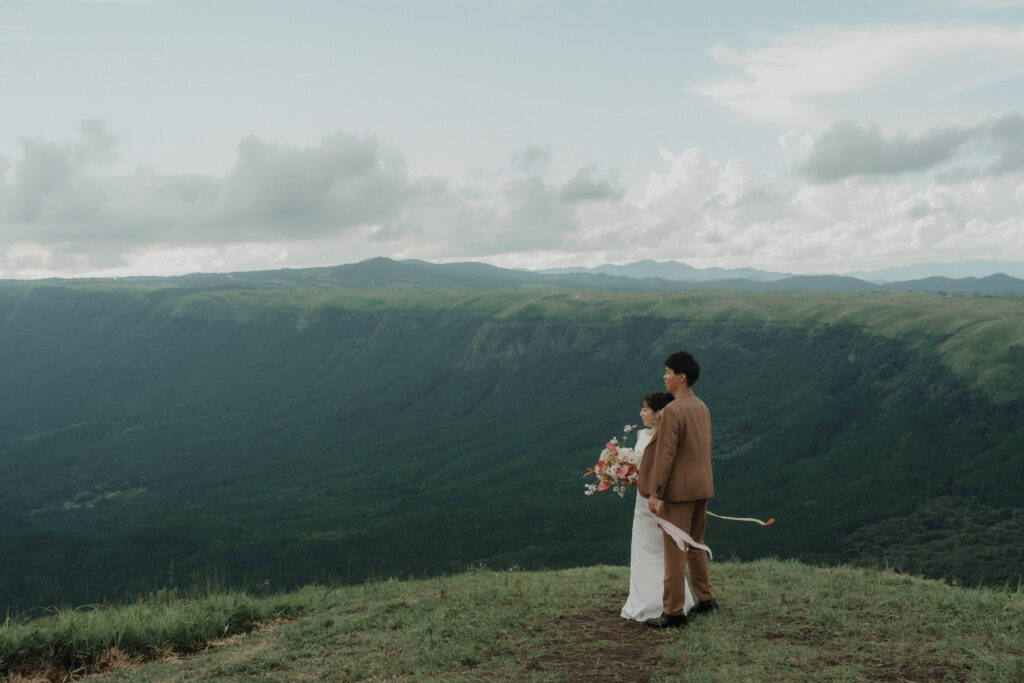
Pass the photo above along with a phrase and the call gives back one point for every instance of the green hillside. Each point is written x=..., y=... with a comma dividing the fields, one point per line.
x=779, y=621
x=284, y=435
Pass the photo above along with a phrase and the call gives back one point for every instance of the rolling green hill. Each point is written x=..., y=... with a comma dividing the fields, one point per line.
x=280, y=434
x=779, y=621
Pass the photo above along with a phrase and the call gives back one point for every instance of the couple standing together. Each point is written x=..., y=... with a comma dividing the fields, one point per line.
x=674, y=484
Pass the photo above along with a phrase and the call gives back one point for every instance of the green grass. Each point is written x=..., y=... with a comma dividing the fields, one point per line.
x=81, y=640
x=979, y=337
x=780, y=621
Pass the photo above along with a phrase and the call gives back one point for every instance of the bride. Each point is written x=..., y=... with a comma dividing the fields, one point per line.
x=647, y=554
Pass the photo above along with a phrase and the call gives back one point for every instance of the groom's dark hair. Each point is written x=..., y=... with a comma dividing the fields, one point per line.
x=682, y=362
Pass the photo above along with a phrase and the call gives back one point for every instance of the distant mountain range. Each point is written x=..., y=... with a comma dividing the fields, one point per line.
x=954, y=270
x=674, y=270
x=643, y=275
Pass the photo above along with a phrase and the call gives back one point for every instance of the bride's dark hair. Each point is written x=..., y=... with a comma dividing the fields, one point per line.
x=657, y=400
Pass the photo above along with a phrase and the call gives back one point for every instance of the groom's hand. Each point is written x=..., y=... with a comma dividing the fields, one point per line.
x=655, y=505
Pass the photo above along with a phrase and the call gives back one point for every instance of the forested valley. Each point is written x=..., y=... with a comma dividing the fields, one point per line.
x=154, y=435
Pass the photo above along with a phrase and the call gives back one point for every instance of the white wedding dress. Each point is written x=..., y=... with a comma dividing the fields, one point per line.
x=647, y=560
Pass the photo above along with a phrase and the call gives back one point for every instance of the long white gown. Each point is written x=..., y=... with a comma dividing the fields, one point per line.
x=647, y=560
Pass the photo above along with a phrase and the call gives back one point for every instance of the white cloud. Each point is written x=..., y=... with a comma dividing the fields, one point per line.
x=345, y=181
x=27, y=255
x=848, y=149
x=352, y=197
x=707, y=212
x=526, y=214
x=50, y=182
x=587, y=186
x=810, y=77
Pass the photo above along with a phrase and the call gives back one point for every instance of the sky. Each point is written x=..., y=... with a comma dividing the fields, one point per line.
x=164, y=137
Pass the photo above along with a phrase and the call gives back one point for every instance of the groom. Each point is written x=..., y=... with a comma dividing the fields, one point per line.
x=677, y=483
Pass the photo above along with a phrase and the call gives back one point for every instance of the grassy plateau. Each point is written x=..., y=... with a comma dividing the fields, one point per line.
x=979, y=336
x=779, y=621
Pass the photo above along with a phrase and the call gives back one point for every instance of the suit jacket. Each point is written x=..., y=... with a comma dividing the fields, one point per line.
x=676, y=465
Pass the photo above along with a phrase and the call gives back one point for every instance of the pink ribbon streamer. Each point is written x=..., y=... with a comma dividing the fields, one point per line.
x=681, y=538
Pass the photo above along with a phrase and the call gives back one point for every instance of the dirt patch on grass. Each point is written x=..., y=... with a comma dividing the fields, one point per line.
x=43, y=672
x=602, y=646
x=116, y=660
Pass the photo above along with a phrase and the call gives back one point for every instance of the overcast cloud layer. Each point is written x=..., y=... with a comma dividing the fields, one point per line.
x=868, y=147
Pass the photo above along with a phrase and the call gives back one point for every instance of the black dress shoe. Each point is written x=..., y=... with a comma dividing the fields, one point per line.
x=705, y=606
x=667, y=621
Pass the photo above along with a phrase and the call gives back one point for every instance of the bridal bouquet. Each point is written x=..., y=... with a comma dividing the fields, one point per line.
x=616, y=467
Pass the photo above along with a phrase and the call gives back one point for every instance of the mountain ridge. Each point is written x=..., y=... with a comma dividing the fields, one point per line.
x=676, y=270
x=386, y=272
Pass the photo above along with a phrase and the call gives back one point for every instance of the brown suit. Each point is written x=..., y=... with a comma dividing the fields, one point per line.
x=676, y=468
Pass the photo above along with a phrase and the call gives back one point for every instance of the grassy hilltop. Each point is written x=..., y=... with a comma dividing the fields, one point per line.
x=979, y=337
x=780, y=621
x=283, y=435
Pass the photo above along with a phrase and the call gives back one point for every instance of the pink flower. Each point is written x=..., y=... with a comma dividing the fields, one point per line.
x=603, y=485
x=612, y=448
x=622, y=472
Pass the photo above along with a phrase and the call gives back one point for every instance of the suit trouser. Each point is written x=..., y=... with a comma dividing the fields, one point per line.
x=690, y=516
